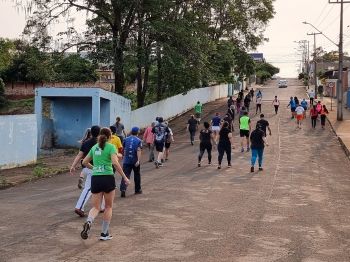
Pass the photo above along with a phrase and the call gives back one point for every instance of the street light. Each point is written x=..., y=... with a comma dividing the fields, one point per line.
x=307, y=23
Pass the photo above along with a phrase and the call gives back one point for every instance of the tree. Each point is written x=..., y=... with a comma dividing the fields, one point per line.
x=3, y=100
x=7, y=48
x=166, y=46
x=74, y=69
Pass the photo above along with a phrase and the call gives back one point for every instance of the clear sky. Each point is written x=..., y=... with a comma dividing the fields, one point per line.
x=285, y=28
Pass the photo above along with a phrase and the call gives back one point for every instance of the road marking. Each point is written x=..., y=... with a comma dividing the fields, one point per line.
x=278, y=159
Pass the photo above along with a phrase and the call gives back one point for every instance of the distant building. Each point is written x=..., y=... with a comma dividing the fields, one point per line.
x=258, y=57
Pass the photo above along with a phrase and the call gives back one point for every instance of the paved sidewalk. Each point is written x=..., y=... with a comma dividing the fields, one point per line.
x=340, y=128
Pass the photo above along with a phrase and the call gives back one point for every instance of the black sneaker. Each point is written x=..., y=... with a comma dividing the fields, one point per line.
x=86, y=229
x=199, y=164
x=261, y=169
x=122, y=194
x=209, y=163
x=157, y=164
x=219, y=167
x=105, y=237
x=229, y=166
x=138, y=192
x=252, y=169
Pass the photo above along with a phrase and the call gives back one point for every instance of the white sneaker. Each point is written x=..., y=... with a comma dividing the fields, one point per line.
x=105, y=237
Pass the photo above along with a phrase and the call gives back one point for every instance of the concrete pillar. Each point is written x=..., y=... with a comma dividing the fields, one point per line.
x=38, y=110
x=96, y=108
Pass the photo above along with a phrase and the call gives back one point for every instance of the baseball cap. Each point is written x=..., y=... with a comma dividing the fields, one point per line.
x=135, y=130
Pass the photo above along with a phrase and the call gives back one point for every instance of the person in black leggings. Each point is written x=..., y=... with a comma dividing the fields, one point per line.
x=225, y=144
x=206, y=138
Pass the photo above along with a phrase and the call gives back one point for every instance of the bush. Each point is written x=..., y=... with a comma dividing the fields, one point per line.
x=3, y=100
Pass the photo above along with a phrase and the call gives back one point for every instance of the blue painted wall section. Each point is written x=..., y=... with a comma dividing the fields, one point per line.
x=75, y=109
x=71, y=117
x=18, y=140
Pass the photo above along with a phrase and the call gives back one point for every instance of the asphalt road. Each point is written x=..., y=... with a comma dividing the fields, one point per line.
x=297, y=209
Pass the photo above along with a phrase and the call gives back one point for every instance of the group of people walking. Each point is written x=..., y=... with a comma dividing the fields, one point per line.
x=102, y=149
x=219, y=132
x=299, y=109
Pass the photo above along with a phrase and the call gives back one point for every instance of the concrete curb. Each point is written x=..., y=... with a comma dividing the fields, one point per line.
x=342, y=144
x=344, y=147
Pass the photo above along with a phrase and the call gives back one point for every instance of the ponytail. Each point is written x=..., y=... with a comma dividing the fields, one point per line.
x=105, y=135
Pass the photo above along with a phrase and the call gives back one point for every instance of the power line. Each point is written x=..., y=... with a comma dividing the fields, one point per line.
x=324, y=18
x=324, y=9
x=335, y=19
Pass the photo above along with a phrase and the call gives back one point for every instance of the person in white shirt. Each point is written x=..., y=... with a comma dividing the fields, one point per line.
x=300, y=115
x=258, y=104
x=276, y=104
x=312, y=97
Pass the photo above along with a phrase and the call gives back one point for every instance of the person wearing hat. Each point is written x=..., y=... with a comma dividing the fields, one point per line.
x=258, y=142
x=132, y=155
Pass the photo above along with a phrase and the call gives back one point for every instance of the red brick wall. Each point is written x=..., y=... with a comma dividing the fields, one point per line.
x=19, y=90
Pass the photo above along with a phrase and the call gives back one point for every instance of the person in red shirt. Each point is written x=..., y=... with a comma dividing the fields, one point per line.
x=314, y=115
x=324, y=113
x=148, y=139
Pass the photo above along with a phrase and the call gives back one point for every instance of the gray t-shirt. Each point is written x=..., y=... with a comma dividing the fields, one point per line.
x=120, y=128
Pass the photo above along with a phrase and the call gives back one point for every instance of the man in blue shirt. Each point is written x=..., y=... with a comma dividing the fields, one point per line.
x=304, y=105
x=132, y=155
x=293, y=106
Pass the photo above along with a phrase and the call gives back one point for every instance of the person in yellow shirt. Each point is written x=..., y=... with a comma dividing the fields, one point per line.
x=115, y=140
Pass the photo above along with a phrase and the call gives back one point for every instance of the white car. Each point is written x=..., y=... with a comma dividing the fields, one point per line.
x=282, y=83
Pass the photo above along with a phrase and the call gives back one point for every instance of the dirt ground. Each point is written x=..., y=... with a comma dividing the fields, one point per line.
x=50, y=163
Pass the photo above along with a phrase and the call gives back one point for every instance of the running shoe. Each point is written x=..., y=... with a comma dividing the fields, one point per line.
x=252, y=169
x=199, y=164
x=138, y=192
x=80, y=182
x=86, y=229
x=261, y=169
x=157, y=164
x=242, y=150
x=219, y=167
x=209, y=163
x=79, y=212
x=122, y=194
x=105, y=237
x=229, y=166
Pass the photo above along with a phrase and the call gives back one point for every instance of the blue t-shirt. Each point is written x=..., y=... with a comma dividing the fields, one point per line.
x=131, y=145
x=216, y=121
x=304, y=104
x=292, y=104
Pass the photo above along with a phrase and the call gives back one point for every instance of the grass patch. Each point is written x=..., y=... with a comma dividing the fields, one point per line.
x=22, y=106
x=39, y=171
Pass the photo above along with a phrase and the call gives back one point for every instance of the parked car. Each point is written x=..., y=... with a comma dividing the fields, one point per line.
x=282, y=83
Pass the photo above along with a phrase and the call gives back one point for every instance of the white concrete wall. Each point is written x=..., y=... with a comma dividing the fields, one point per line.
x=18, y=140
x=176, y=105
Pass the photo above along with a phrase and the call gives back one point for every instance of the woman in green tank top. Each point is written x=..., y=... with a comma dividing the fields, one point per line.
x=103, y=155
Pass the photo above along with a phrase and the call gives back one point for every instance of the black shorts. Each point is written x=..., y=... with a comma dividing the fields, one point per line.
x=243, y=133
x=167, y=145
x=159, y=146
x=102, y=183
x=198, y=115
x=292, y=109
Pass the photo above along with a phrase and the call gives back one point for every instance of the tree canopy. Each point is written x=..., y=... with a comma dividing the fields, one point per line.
x=164, y=46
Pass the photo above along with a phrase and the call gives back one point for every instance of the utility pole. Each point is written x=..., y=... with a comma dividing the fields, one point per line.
x=315, y=62
x=341, y=57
